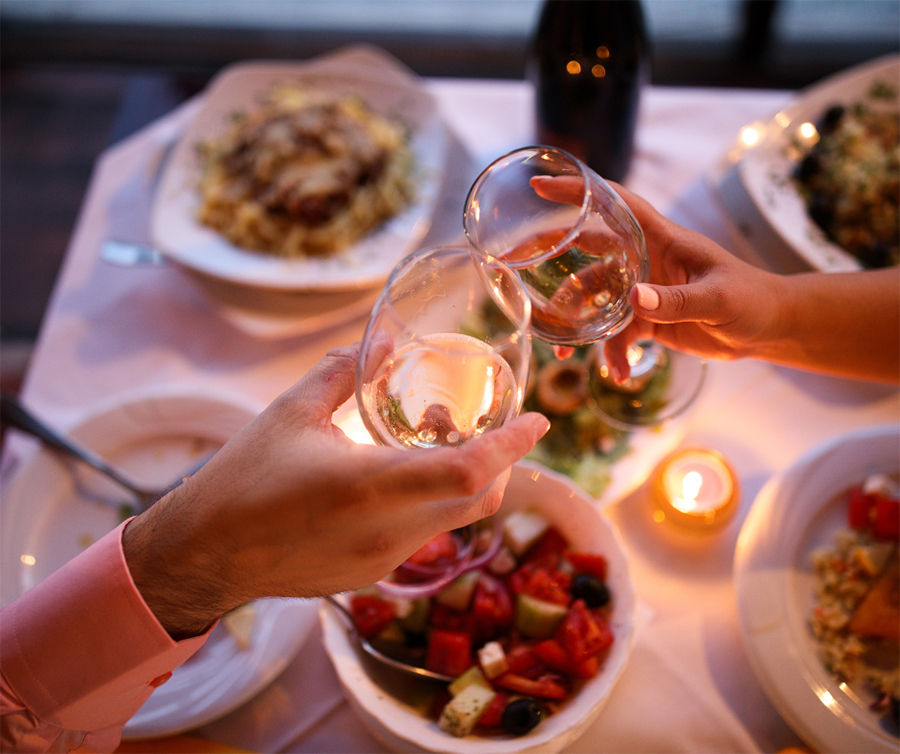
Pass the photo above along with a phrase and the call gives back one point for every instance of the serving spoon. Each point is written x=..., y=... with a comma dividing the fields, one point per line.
x=14, y=414
x=363, y=643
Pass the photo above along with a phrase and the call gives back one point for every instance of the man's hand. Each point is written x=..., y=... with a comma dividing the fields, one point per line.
x=291, y=507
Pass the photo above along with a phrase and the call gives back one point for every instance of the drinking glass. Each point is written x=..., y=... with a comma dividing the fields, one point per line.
x=574, y=242
x=430, y=375
x=425, y=378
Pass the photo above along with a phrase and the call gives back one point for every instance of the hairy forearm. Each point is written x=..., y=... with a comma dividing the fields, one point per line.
x=177, y=576
x=843, y=324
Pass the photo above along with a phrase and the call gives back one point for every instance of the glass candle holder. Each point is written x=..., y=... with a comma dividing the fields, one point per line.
x=696, y=488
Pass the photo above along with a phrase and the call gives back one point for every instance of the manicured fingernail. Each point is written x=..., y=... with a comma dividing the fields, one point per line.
x=647, y=297
x=541, y=428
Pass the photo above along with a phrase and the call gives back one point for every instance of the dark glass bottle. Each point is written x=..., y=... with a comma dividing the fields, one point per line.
x=588, y=64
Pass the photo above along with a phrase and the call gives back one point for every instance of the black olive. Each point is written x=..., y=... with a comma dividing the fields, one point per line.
x=808, y=167
x=831, y=119
x=590, y=589
x=875, y=256
x=521, y=715
x=820, y=211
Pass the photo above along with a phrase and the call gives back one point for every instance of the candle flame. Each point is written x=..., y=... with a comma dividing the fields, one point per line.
x=353, y=427
x=690, y=488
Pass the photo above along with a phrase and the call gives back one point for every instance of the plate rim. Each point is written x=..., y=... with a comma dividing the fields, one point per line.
x=776, y=628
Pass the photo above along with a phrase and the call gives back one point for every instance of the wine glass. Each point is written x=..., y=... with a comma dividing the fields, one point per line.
x=424, y=378
x=430, y=375
x=574, y=242
x=579, y=251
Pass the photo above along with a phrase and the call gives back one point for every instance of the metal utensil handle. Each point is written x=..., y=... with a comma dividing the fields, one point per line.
x=16, y=415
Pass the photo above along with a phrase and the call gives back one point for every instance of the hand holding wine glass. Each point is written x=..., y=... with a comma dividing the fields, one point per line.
x=426, y=380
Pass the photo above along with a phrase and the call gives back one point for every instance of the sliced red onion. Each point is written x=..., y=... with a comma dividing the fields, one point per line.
x=492, y=549
x=466, y=562
x=463, y=552
x=421, y=589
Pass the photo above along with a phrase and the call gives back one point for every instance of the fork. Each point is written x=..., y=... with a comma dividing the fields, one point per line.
x=14, y=414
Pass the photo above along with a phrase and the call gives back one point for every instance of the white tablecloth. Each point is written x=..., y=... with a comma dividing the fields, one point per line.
x=688, y=686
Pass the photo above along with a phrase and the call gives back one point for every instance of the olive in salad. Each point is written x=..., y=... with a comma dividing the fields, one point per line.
x=519, y=635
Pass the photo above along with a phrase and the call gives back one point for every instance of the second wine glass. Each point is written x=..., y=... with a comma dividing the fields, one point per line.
x=575, y=243
x=424, y=378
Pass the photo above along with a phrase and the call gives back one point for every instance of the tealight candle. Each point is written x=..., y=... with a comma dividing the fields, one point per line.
x=696, y=487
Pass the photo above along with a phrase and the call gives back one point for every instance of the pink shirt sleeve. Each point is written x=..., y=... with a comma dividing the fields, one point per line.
x=81, y=653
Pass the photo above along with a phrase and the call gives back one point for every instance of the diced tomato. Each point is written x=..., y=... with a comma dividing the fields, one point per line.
x=859, y=512
x=371, y=614
x=441, y=549
x=447, y=618
x=552, y=654
x=547, y=550
x=493, y=611
x=521, y=660
x=449, y=652
x=537, y=581
x=546, y=687
x=583, y=634
x=493, y=715
x=584, y=562
x=886, y=517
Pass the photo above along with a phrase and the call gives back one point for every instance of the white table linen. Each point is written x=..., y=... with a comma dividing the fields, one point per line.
x=688, y=686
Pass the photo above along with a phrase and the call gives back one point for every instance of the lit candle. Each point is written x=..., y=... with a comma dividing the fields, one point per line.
x=696, y=487
x=353, y=426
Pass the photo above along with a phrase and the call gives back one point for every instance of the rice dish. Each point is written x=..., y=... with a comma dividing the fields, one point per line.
x=307, y=173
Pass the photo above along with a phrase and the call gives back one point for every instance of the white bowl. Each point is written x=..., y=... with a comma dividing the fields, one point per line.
x=385, y=701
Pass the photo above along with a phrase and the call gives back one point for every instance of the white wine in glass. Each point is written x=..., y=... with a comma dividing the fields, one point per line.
x=575, y=243
x=424, y=379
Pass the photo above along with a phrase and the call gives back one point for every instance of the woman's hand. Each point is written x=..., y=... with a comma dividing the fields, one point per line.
x=701, y=299
x=291, y=507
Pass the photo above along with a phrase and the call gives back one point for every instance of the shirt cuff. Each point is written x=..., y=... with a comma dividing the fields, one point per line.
x=81, y=649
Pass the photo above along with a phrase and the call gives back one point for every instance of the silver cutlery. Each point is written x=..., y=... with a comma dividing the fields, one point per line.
x=379, y=654
x=15, y=415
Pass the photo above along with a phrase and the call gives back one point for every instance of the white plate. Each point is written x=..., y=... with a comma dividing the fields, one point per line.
x=48, y=512
x=397, y=723
x=766, y=170
x=795, y=513
x=387, y=88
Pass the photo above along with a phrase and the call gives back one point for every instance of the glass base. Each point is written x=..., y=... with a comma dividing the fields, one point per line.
x=663, y=384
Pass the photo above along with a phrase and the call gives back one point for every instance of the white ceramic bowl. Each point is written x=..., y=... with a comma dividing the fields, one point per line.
x=386, y=701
